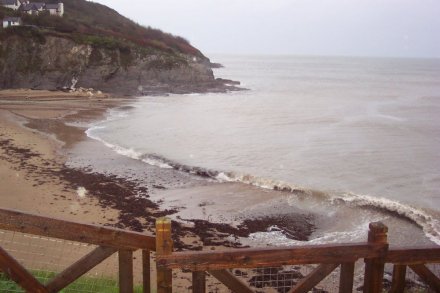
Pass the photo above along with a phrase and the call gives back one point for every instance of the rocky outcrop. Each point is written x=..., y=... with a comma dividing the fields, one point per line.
x=60, y=63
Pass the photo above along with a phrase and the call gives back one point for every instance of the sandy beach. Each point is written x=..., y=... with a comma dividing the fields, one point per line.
x=32, y=137
x=35, y=137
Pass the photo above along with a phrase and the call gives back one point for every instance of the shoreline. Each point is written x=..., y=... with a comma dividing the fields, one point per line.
x=38, y=174
x=61, y=189
x=72, y=176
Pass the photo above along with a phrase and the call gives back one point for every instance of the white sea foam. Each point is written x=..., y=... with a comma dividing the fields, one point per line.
x=429, y=224
x=278, y=238
x=275, y=236
x=157, y=163
x=256, y=181
x=128, y=152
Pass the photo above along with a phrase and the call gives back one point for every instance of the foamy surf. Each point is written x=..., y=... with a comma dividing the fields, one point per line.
x=127, y=152
x=429, y=224
x=275, y=236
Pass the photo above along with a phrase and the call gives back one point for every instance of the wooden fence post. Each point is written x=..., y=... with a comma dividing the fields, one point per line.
x=198, y=282
x=125, y=271
x=164, y=246
x=346, y=278
x=374, y=268
x=146, y=275
x=399, y=276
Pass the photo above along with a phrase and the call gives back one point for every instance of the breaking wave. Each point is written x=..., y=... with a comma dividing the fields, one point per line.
x=428, y=223
x=275, y=236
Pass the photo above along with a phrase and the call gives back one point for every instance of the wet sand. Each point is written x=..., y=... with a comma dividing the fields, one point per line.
x=30, y=158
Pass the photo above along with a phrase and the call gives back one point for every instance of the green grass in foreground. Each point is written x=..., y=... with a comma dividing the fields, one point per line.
x=83, y=284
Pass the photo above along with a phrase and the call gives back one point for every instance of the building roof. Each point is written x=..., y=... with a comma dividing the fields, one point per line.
x=52, y=6
x=38, y=5
x=32, y=6
x=12, y=19
x=26, y=7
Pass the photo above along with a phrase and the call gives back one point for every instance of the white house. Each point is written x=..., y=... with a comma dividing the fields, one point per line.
x=35, y=8
x=55, y=9
x=11, y=21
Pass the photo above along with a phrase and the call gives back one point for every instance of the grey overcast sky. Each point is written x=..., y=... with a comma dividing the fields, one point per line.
x=388, y=28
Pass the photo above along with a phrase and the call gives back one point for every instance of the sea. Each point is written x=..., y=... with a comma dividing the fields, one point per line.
x=350, y=140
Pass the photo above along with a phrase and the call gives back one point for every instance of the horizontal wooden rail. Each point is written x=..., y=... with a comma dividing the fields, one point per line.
x=266, y=257
x=413, y=255
x=103, y=236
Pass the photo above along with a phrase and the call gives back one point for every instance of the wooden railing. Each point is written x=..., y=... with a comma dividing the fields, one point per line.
x=108, y=240
x=375, y=254
x=415, y=258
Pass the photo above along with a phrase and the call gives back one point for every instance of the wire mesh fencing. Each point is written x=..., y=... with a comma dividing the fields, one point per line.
x=283, y=279
x=46, y=257
x=413, y=282
x=264, y=280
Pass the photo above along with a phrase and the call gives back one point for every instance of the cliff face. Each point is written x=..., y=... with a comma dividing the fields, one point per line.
x=56, y=62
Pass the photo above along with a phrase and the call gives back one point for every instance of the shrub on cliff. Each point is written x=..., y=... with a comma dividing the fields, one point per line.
x=46, y=21
x=7, y=12
x=93, y=19
x=25, y=32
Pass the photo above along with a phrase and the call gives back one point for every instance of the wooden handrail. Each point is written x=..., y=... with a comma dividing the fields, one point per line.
x=267, y=257
x=92, y=234
x=375, y=252
x=413, y=255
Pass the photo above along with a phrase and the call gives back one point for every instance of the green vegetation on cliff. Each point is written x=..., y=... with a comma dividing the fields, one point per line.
x=103, y=27
x=93, y=46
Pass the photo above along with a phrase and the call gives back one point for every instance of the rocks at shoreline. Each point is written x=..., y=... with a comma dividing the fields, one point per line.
x=215, y=86
x=216, y=65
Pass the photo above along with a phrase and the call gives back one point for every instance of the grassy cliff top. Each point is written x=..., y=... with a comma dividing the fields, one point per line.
x=102, y=26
